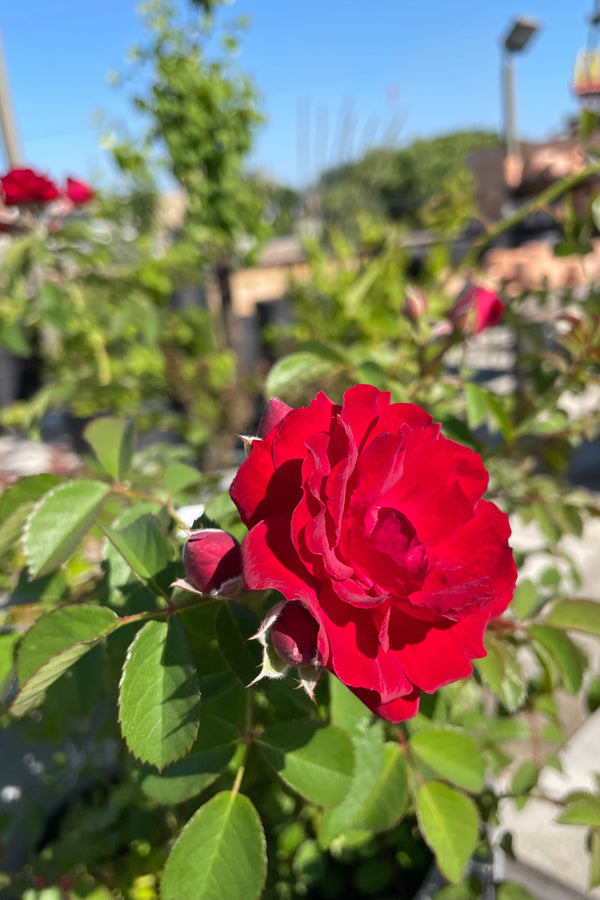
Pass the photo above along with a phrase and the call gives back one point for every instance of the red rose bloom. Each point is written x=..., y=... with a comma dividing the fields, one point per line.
x=476, y=310
x=79, y=192
x=26, y=186
x=373, y=521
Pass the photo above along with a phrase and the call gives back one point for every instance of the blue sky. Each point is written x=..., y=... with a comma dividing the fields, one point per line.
x=334, y=76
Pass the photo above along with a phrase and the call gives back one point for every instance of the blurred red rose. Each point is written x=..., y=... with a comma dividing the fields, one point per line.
x=477, y=309
x=27, y=186
x=79, y=192
x=372, y=521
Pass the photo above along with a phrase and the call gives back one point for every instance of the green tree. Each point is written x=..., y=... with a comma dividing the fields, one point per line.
x=200, y=113
x=425, y=184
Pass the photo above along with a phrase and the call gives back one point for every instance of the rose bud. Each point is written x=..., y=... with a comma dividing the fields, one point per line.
x=294, y=635
x=477, y=309
x=415, y=303
x=78, y=192
x=211, y=558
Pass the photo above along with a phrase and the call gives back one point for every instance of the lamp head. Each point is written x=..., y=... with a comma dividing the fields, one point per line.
x=520, y=33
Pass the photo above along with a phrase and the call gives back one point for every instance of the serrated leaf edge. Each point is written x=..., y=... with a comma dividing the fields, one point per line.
x=90, y=641
x=33, y=510
x=197, y=813
x=121, y=679
x=319, y=726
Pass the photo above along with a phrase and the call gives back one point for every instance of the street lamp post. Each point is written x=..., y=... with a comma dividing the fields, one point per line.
x=8, y=127
x=515, y=41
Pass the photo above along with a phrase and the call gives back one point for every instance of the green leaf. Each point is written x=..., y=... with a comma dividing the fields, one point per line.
x=146, y=550
x=511, y=890
x=235, y=625
x=465, y=889
x=13, y=336
x=491, y=666
x=59, y=521
x=595, y=858
x=546, y=522
x=188, y=777
x=367, y=741
x=525, y=599
x=496, y=408
x=179, y=476
x=525, y=778
x=112, y=440
x=513, y=690
x=357, y=291
x=8, y=641
x=593, y=694
x=159, y=698
x=452, y=755
x=47, y=589
x=584, y=810
x=389, y=798
x=220, y=854
x=502, y=671
x=53, y=644
x=119, y=570
x=563, y=652
x=476, y=405
x=295, y=371
x=449, y=822
x=316, y=761
x=16, y=504
x=347, y=711
x=576, y=615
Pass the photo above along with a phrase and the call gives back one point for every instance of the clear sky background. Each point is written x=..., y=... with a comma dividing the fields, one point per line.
x=334, y=76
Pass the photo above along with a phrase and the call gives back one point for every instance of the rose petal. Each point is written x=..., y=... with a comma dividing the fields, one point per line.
x=275, y=412
x=300, y=424
x=356, y=655
x=259, y=490
x=435, y=654
x=269, y=560
x=396, y=710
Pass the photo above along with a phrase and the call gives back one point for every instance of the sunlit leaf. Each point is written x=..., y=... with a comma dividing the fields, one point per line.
x=220, y=854
x=59, y=521
x=450, y=824
x=159, y=697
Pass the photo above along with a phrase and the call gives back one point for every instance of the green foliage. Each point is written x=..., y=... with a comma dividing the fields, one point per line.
x=201, y=114
x=425, y=184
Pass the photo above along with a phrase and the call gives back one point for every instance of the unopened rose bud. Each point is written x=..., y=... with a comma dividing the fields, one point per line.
x=477, y=309
x=415, y=303
x=79, y=192
x=210, y=558
x=294, y=635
